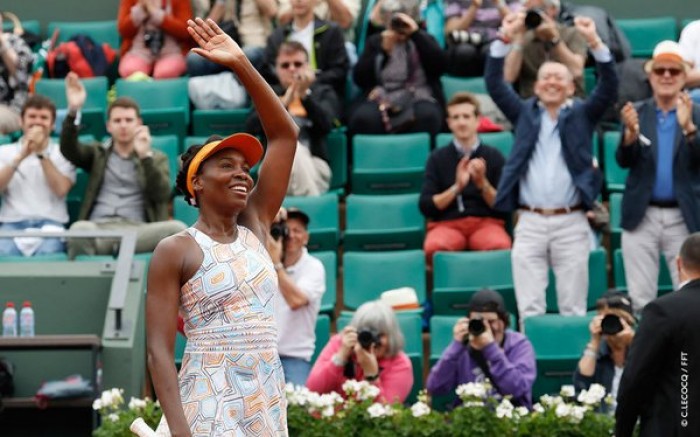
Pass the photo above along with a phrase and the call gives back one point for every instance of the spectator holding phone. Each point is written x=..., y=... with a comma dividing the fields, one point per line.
x=612, y=332
x=484, y=348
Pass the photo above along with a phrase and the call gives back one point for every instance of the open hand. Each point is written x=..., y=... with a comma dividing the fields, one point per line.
x=477, y=170
x=684, y=111
x=463, y=175
x=367, y=359
x=75, y=92
x=214, y=44
x=142, y=141
x=36, y=139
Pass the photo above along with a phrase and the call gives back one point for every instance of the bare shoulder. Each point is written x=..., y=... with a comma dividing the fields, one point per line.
x=177, y=253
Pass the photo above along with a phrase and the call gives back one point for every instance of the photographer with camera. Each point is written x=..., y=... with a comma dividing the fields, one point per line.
x=484, y=348
x=369, y=348
x=154, y=37
x=302, y=282
x=612, y=331
x=538, y=38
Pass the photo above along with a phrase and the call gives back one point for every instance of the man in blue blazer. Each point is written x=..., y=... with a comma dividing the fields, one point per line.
x=660, y=145
x=660, y=384
x=550, y=176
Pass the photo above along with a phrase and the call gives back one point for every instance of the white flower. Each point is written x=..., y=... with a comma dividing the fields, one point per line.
x=563, y=410
x=328, y=411
x=420, y=409
x=521, y=411
x=470, y=404
x=593, y=395
x=113, y=417
x=504, y=409
x=577, y=413
x=473, y=390
x=136, y=404
x=567, y=391
x=551, y=401
x=376, y=410
x=97, y=404
x=538, y=408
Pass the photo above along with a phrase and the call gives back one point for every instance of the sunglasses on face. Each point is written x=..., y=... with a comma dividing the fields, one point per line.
x=296, y=64
x=661, y=71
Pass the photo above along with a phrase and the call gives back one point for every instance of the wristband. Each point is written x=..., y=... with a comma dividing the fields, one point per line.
x=589, y=353
x=454, y=189
x=40, y=156
x=371, y=378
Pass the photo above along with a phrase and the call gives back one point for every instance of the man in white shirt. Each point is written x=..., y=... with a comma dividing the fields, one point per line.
x=302, y=282
x=34, y=181
x=690, y=44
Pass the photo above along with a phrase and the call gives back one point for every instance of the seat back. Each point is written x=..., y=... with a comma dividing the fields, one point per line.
x=665, y=284
x=99, y=31
x=324, y=224
x=169, y=145
x=503, y=141
x=645, y=33
x=184, y=212
x=330, y=264
x=452, y=85
x=597, y=281
x=367, y=274
x=615, y=176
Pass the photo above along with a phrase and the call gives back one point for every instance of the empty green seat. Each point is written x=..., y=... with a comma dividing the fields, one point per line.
x=169, y=145
x=337, y=146
x=558, y=342
x=323, y=334
x=389, y=164
x=330, y=264
x=410, y=324
x=184, y=212
x=503, y=141
x=324, y=225
x=615, y=176
x=458, y=275
x=165, y=104
x=452, y=85
x=223, y=122
x=367, y=274
x=645, y=33
x=597, y=281
x=401, y=226
x=665, y=283
x=32, y=26
x=99, y=31
x=615, y=206
x=94, y=111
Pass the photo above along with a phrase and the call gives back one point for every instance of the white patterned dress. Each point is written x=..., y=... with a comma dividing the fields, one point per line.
x=231, y=381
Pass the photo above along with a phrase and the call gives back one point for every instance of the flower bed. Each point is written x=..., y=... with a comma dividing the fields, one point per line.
x=313, y=415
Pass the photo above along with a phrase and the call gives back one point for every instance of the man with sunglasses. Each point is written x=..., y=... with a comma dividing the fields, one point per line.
x=314, y=107
x=660, y=146
x=486, y=350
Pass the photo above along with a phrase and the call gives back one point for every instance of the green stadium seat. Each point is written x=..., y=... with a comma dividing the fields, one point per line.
x=645, y=33
x=558, y=342
x=401, y=227
x=324, y=226
x=165, y=104
x=503, y=141
x=410, y=324
x=184, y=212
x=615, y=176
x=615, y=206
x=367, y=274
x=337, y=146
x=665, y=283
x=452, y=85
x=5, y=139
x=180, y=343
x=169, y=145
x=330, y=263
x=36, y=258
x=597, y=281
x=93, y=113
x=222, y=122
x=440, y=338
x=458, y=275
x=99, y=31
x=323, y=335
x=32, y=26
x=589, y=79
x=389, y=164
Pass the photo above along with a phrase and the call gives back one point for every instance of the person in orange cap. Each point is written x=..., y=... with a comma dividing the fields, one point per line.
x=219, y=276
x=660, y=146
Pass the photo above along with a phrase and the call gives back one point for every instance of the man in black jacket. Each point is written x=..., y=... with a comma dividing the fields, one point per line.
x=661, y=383
x=660, y=145
x=314, y=107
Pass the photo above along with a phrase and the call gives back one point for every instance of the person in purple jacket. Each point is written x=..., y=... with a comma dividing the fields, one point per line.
x=503, y=356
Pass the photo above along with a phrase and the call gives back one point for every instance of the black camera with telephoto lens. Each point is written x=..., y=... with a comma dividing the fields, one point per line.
x=153, y=39
x=533, y=18
x=367, y=337
x=611, y=324
x=279, y=230
x=476, y=327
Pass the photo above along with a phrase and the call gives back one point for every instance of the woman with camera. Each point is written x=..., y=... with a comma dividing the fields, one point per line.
x=612, y=331
x=370, y=348
x=154, y=37
x=483, y=348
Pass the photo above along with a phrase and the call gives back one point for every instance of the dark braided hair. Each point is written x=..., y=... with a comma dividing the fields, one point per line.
x=186, y=160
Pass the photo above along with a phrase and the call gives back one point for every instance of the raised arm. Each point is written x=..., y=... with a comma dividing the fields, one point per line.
x=78, y=155
x=500, y=90
x=279, y=128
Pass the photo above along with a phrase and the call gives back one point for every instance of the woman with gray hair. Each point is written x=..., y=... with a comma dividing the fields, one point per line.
x=370, y=348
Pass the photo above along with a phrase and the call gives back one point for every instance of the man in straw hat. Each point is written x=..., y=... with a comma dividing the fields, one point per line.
x=660, y=146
